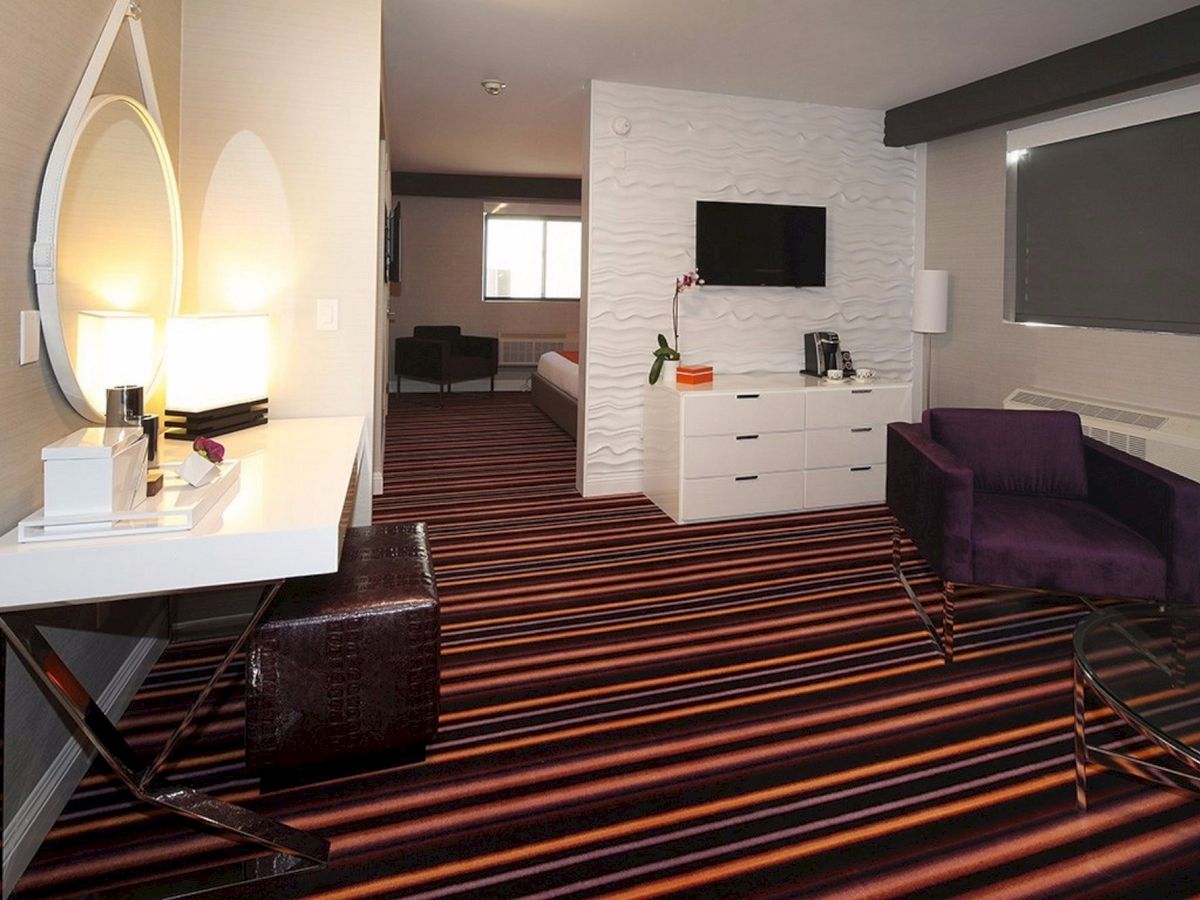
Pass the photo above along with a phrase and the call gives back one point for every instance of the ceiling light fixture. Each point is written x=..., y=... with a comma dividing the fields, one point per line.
x=492, y=86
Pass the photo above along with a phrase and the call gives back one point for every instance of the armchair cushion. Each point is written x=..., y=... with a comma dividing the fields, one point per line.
x=1051, y=542
x=1016, y=451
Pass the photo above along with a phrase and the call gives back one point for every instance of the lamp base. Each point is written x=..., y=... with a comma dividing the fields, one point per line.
x=187, y=426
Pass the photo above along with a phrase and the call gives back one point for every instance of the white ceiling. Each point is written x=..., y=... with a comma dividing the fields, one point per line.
x=874, y=54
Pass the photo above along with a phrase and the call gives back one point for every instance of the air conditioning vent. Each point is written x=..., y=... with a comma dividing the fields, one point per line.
x=527, y=349
x=1170, y=440
x=1090, y=410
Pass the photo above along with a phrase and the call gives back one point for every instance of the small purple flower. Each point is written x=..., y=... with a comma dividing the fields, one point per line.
x=209, y=449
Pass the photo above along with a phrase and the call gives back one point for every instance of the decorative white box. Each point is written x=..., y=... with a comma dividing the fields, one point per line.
x=95, y=470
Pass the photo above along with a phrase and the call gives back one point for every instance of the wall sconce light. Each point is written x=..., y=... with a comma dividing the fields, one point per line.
x=217, y=374
x=931, y=302
x=113, y=348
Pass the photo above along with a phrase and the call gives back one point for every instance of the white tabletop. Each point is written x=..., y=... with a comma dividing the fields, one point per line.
x=282, y=520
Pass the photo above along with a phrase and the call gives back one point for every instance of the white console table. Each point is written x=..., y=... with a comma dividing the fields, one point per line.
x=283, y=519
x=286, y=517
x=751, y=445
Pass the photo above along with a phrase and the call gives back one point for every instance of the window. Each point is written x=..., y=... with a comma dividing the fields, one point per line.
x=531, y=258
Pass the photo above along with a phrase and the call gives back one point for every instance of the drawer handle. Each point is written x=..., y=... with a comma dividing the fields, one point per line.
x=747, y=396
x=860, y=430
x=860, y=390
x=860, y=468
x=745, y=478
x=747, y=437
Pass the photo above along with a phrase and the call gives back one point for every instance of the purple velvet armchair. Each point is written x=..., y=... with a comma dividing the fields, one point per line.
x=1022, y=499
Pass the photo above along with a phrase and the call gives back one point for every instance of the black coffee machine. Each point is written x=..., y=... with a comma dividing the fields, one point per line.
x=821, y=352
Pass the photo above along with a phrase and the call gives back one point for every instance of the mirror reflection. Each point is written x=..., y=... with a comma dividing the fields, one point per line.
x=117, y=253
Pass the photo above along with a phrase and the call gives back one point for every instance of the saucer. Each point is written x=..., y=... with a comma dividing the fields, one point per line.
x=857, y=380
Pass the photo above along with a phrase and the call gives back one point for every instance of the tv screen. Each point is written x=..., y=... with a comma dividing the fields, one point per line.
x=760, y=244
x=1103, y=230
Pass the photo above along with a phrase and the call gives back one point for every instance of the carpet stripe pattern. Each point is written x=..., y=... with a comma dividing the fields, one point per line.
x=632, y=709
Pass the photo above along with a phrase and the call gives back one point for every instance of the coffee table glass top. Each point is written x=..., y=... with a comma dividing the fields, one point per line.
x=1145, y=663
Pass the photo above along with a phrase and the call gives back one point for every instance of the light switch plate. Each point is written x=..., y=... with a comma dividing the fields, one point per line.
x=327, y=315
x=31, y=336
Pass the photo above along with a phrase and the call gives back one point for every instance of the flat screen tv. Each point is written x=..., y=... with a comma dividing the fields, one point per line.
x=760, y=244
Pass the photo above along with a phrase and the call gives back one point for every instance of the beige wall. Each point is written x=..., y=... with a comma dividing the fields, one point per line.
x=981, y=359
x=42, y=57
x=280, y=188
x=441, y=267
x=43, y=51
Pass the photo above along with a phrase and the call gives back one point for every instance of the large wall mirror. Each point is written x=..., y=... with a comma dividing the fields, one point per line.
x=109, y=254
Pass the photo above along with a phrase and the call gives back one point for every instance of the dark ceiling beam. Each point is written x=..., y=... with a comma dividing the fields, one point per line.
x=486, y=187
x=1148, y=54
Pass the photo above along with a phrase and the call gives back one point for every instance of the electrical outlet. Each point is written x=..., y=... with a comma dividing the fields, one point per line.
x=327, y=315
x=31, y=336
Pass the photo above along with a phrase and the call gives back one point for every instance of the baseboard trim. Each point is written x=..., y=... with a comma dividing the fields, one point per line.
x=600, y=486
x=24, y=833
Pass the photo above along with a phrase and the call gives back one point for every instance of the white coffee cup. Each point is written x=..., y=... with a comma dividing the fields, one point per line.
x=834, y=375
x=864, y=373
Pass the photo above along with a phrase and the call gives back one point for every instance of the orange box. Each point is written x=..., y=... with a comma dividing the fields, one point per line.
x=694, y=375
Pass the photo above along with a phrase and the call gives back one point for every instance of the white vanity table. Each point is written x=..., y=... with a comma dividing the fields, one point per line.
x=767, y=443
x=285, y=517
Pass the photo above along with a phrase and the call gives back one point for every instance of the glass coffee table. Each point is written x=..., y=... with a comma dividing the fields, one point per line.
x=1135, y=661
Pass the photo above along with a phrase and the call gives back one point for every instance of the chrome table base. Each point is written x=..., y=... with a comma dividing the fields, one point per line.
x=291, y=850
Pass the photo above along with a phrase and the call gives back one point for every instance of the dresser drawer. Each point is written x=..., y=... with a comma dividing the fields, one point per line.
x=742, y=454
x=852, y=446
x=747, y=413
x=725, y=497
x=845, y=486
x=874, y=405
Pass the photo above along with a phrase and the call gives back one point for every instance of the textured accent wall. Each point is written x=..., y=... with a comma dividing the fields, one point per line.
x=685, y=146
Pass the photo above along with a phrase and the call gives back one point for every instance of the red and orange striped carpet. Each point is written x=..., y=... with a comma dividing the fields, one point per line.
x=632, y=708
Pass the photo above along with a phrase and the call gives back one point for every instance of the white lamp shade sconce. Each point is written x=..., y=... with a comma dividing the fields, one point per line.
x=931, y=301
x=218, y=369
x=112, y=348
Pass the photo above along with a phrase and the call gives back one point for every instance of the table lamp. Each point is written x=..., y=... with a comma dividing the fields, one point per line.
x=112, y=348
x=217, y=374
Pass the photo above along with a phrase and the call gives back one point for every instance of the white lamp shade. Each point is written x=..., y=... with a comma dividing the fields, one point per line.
x=931, y=299
x=216, y=360
x=112, y=348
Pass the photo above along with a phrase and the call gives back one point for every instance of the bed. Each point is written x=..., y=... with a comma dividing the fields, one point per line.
x=555, y=388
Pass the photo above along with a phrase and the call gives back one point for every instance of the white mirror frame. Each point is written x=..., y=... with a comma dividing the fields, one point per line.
x=45, y=248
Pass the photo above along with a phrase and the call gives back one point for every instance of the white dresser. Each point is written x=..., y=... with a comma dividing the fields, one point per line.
x=754, y=444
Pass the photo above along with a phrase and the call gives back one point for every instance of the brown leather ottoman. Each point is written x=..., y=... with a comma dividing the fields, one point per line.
x=343, y=674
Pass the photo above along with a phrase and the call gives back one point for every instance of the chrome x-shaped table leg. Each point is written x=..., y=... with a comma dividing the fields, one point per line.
x=291, y=850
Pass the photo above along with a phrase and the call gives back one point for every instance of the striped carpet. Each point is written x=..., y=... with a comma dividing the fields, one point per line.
x=632, y=708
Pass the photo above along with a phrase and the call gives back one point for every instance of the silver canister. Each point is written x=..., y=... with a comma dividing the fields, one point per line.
x=124, y=406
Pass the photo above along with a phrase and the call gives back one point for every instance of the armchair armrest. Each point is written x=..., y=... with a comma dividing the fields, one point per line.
x=482, y=347
x=1159, y=505
x=932, y=495
x=422, y=357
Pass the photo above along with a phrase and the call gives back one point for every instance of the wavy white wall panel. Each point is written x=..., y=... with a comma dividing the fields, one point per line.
x=686, y=146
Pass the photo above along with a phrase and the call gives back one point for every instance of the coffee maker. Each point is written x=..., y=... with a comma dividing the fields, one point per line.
x=821, y=352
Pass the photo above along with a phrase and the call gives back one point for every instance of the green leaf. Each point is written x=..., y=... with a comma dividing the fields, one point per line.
x=662, y=341
x=656, y=369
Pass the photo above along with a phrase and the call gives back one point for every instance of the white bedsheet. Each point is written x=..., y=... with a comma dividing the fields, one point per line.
x=560, y=372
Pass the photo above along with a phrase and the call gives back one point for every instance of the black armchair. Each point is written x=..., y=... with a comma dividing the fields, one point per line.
x=442, y=355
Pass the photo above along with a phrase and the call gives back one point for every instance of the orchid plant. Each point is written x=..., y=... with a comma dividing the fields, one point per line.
x=666, y=352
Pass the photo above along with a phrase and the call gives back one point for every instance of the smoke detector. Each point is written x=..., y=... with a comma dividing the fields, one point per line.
x=492, y=86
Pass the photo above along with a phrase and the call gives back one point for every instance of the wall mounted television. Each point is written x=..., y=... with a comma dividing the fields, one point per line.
x=1103, y=230
x=760, y=244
